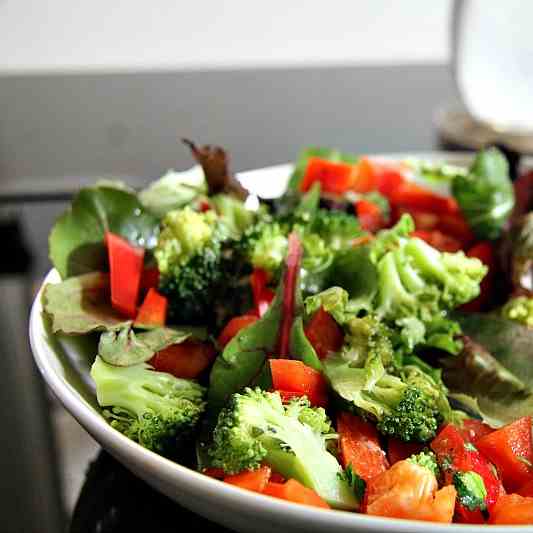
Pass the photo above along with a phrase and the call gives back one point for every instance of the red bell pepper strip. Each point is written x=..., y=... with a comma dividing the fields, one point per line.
x=125, y=268
x=234, y=326
x=263, y=296
x=512, y=509
x=336, y=178
x=526, y=490
x=370, y=216
x=398, y=450
x=359, y=446
x=153, y=310
x=483, y=251
x=185, y=360
x=510, y=449
x=294, y=491
x=324, y=333
x=473, y=429
x=292, y=270
x=293, y=378
x=438, y=240
x=454, y=454
x=254, y=480
x=413, y=196
x=379, y=176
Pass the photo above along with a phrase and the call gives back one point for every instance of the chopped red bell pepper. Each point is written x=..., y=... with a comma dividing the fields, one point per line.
x=511, y=450
x=234, y=326
x=334, y=177
x=456, y=226
x=526, y=489
x=371, y=175
x=413, y=196
x=454, y=454
x=473, y=429
x=438, y=240
x=324, y=333
x=254, y=480
x=276, y=477
x=297, y=379
x=294, y=491
x=217, y=473
x=263, y=296
x=185, y=360
x=512, y=509
x=398, y=450
x=483, y=251
x=125, y=268
x=153, y=310
x=370, y=216
x=359, y=446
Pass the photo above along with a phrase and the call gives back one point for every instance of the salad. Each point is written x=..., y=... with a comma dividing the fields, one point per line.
x=363, y=342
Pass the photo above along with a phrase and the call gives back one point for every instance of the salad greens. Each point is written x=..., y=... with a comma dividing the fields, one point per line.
x=308, y=345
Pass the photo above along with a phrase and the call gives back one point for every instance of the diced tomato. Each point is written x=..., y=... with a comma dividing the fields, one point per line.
x=438, y=240
x=125, y=268
x=293, y=376
x=360, y=447
x=204, y=206
x=334, y=177
x=186, y=360
x=483, y=251
x=410, y=491
x=150, y=278
x=411, y=195
x=324, y=333
x=510, y=449
x=365, y=176
x=398, y=450
x=255, y=480
x=263, y=296
x=454, y=454
x=153, y=310
x=217, y=473
x=294, y=491
x=526, y=490
x=370, y=216
x=473, y=429
x=234, y=326
x=512, y=509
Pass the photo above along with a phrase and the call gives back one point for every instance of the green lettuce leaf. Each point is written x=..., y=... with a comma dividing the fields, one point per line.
x=81, y=305
x=126, y=347
x=173, y=191
x=76, y=241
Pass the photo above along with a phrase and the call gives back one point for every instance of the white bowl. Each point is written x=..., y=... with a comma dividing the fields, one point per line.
x=64, y=363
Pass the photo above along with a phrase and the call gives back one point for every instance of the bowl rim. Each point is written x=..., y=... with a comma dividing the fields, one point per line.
x=175, y=474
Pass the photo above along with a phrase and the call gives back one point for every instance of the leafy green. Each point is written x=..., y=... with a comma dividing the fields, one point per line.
x=173, y=191
x=82, y=304
x=76, y=242
x=333, y=300
x=126, y=347
x=356, y=482
x=486, y=195
x=323, y=153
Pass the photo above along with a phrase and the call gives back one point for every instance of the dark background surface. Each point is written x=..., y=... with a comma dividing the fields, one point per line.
x=58, y=132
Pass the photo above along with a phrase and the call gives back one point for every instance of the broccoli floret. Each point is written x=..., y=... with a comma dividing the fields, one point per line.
x=256, y=427
x=155, y=409
x=264, y=245
x=471, y=490
x=337, y=228
x=233, y=213
x=519, y=309
x=195, y=268
x=414, y=419
x=405, y=401
x=427, y=459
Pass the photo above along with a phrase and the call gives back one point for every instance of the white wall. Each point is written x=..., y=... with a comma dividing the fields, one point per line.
x=132, y=35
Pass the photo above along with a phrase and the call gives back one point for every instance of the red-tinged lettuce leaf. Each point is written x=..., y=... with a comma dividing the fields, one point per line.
x=76, y=241
x=126, y=347
x=82, y=304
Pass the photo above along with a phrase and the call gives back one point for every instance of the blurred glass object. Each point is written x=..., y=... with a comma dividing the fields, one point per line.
x=493, y=61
